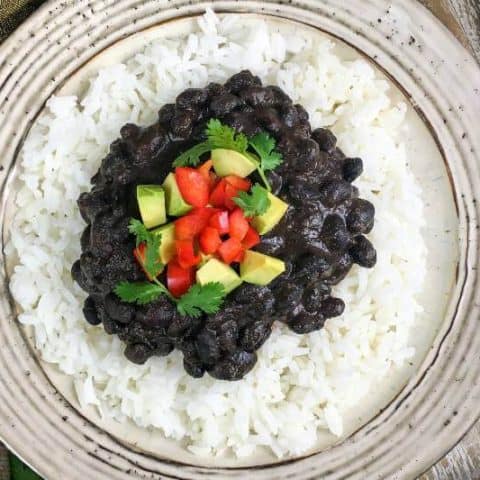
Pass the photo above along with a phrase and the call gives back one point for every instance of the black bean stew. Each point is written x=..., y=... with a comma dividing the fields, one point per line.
x=320, y=237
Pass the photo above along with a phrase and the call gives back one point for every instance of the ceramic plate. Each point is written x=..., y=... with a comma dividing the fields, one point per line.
x=419, y=413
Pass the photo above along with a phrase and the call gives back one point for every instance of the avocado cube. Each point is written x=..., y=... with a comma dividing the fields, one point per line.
x=266, y=222
x=216, y=271
x=167, y=243
x=176, y=205
x=260, y=269
x=230, y=162
x=151, y=203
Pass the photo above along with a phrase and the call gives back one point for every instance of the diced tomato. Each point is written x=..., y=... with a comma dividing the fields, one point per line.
x=210, y=240
x=140, y=253
x=230, y=249
x=238, y=224
x=193, y=186
x=205, y=170
x=230, y=193
x=191, y=224
x=251, y=239
x=220, y=222
x=243, y=184
x=186, y=254
x=217, y=197
x=240, y=257
x=179, y=279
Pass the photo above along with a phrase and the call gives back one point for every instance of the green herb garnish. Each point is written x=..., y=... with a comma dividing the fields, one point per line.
x=152, y=265
x=140, y=292
x=223, y=136
x=206, y=298
x=254, y=203
x=218, y=136
x=264, y=146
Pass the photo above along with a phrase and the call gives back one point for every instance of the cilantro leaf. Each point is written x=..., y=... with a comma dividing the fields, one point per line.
x=137, y=228
x=223, y=136
x=139, y=292
x=192, y=156
x=206, y=298
x=152, y=265
x=264, y=145
x=253, y=204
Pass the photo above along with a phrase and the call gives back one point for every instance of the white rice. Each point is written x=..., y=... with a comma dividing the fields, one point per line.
x=301, y=383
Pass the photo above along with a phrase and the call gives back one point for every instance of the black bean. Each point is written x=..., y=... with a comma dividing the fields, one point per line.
x=313, y=296
x=194, y=368
x=270, y=119
x=118, y=310
x=90, y=312
x=306, y=323
x=182, y=122
x=360, y=217
x=166, y=113
x=253, y=336
x=138, y=353
x=192, y=97
x=352, y=169
x=325, y=139
x=335, y=234
x=224, y=104
x=227, y=334
x=130, y=131
x=241, y=80
x=208, y=348
x=334, y=192
x=332, y=307
x=234, y=366
x=257, y=95
x=363, y=253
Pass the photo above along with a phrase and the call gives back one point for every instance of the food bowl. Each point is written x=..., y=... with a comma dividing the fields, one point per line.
x=419, y=413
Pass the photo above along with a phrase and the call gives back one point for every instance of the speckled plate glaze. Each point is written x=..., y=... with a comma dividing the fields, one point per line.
x=53, y=52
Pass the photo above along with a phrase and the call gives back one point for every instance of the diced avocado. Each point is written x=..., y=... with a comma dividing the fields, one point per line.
x=264, y=223
x=167, y=244
x=176, y=205
x=216, y=271
x=260, y=269
x=151, y=203
x=230, y=162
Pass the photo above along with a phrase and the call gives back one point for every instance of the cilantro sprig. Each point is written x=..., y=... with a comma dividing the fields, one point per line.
x=199, y=299
x=152, y=265
x=218, y=136
x=206, y=298
x=254, y=203
x=223, y=136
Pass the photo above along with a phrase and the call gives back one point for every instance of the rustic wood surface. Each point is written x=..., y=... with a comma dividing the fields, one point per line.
x=462, y=17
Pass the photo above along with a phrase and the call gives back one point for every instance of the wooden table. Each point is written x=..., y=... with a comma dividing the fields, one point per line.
x=462, y=17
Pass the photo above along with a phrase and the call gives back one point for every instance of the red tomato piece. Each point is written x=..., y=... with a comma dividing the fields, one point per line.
x=243, y=184
x=240, y=257
x=230, y=249
x=220, y=222
x=179, y=279
x=205, y=170
x=191, y=224
x=210, y=240
x=193, y=186
x=251, y=239
x=217, y=197
x=230, y=193
x=238, y=224
x=139, y=253
x=186, y=254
